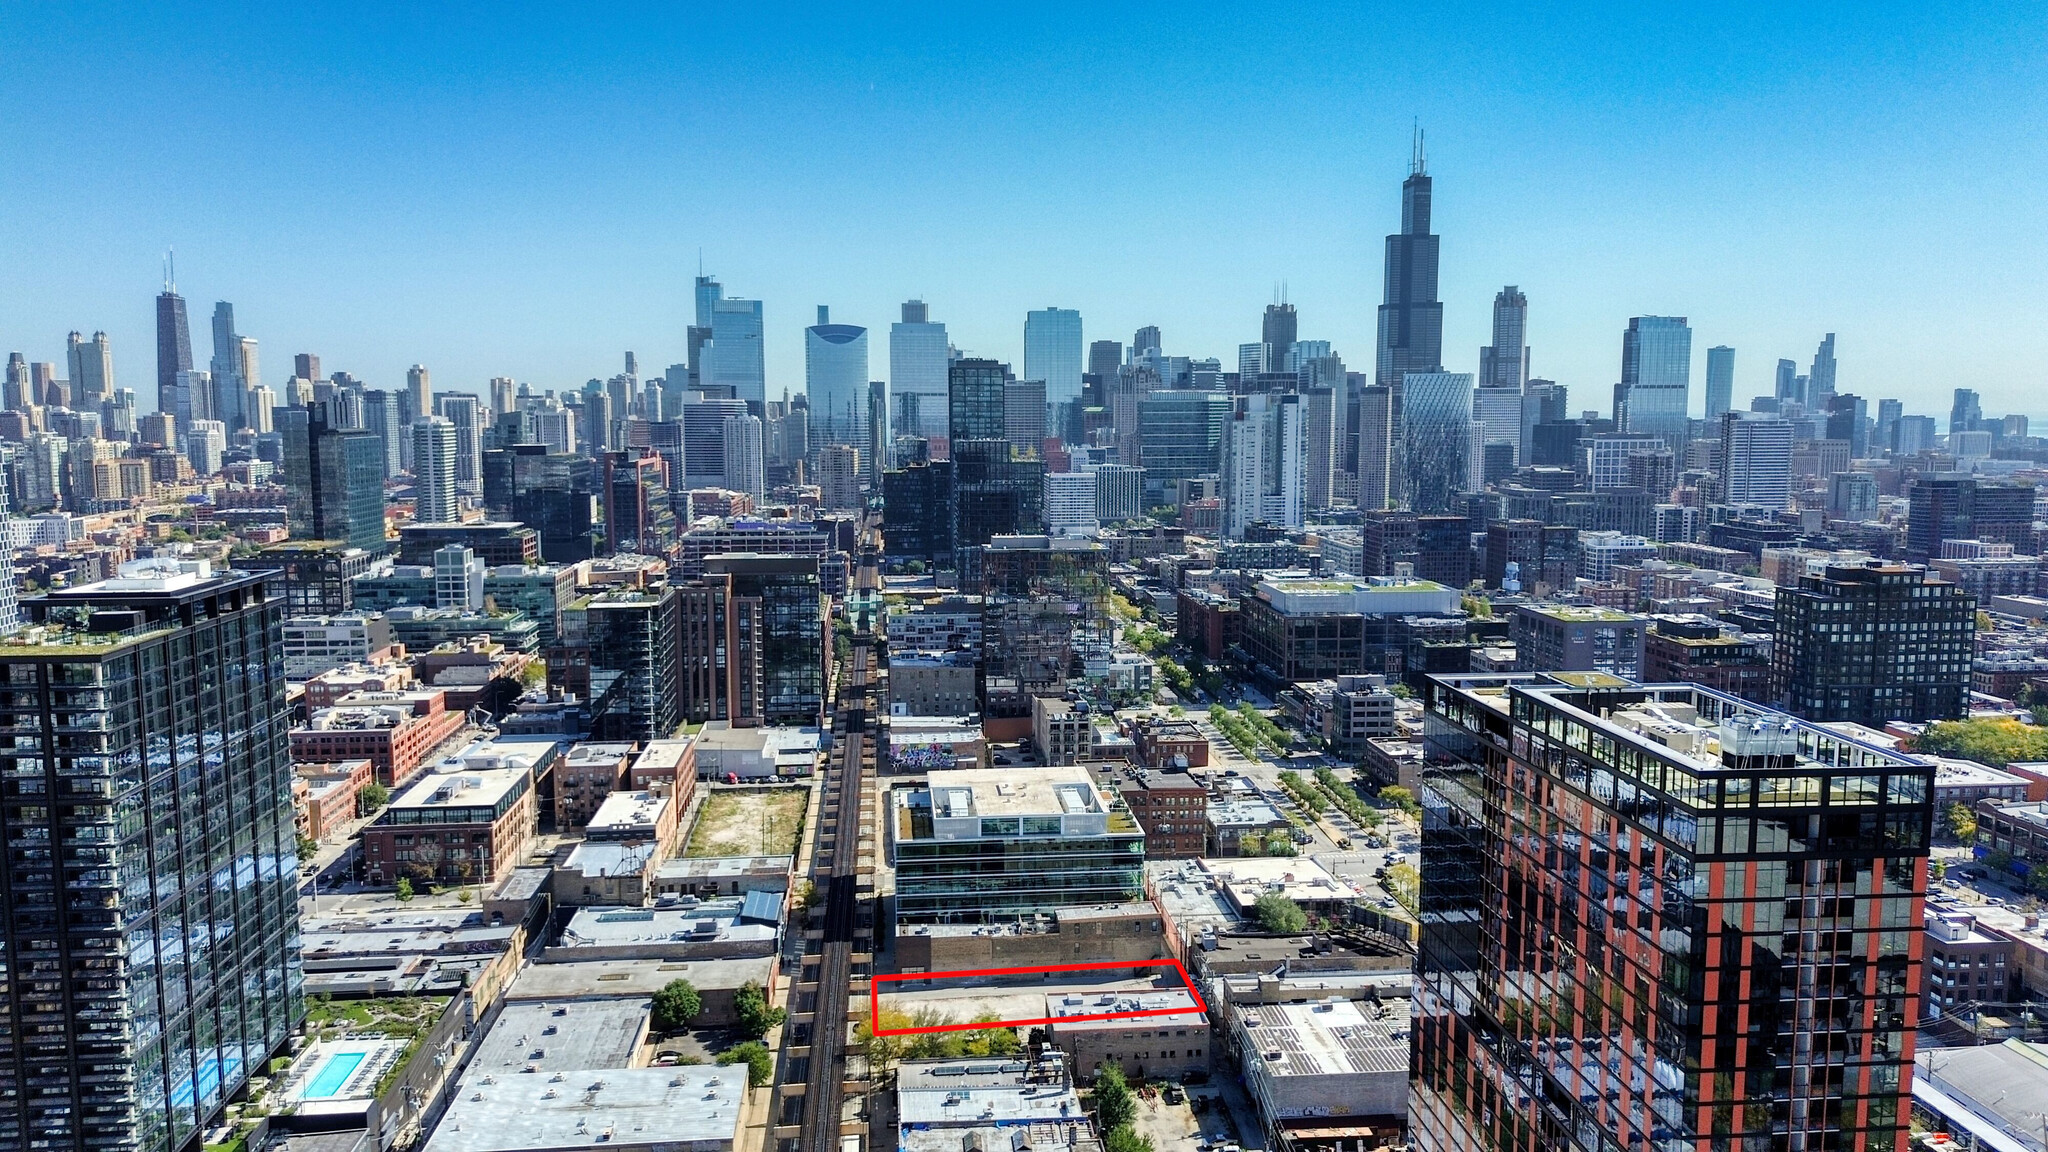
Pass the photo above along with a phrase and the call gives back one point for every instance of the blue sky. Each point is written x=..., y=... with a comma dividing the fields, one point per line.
x=491, y=191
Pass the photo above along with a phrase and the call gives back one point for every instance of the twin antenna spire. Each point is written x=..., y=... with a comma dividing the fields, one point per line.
x=1418, y=162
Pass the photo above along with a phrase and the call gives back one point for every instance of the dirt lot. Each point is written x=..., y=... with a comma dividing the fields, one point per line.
x=749, y=822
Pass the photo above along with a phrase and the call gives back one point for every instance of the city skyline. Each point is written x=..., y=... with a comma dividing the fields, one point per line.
x=516, y=280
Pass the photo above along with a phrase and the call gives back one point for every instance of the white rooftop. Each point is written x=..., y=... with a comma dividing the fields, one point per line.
x=1329, y=1037
x=1058, y=1004
x=693, y=1107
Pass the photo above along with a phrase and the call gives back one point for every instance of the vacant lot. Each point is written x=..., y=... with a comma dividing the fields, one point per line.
x=750, y=822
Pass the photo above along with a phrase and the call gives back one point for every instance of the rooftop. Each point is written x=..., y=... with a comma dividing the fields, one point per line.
x=1577, y=614
x=1058, y=1004
x=641, y=1107
x=631, y=979
x=1329, y=1037
x=997, y=792
x=462, y=788
x=689, y=921
x=540, y=1036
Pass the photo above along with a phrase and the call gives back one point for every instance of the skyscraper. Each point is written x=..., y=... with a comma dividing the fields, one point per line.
x=878, y=432
x=1265, y=462
x=1505, y=362
x=1720, y=380
x=974, y=400
x=306, y=366
x=1411, y=335
x=918, y=357
x=380, y=419
x=1787, y=383
x=705, y=292
x=10, y=601
x=734, y=359
x=151, y=934
x=434, y=451
x=334, y=480
x=836, y=380
x=228, y=382
x=1278, y=331
x=1820, y=381
x=1656, y=377
x=1496, y=419
x=1104, y=358
x=1145, y=340
x=173, y=342
x=1711, y=943
x=92, y=371
x=1966, y=413
x=1436, y=426
x=419, y=394
x=1052, y=352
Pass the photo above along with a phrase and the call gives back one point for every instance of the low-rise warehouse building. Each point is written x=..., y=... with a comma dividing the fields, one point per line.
x=1145, y=1047
x=1324, y=1059
x=457, y=826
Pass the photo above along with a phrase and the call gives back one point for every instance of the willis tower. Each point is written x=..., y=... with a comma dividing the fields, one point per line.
x=1411, y=339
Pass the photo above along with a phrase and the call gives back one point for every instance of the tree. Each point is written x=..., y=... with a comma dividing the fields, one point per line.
x=754, y=1054
x=676, y=1005
x=1404, y=884
x=308, y=847
x=1125, y=1139
x=372, y=797
x=404, y=889
x=882, y=1052
x=750, y=1005
x=1276, y=913
x=991, y=1041
x=1961, y=822
x=1993, y=742
x=1401, y=798
x=1114, y=1105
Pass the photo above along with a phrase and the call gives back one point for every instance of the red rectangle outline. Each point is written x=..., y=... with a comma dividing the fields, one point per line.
x=875, y=996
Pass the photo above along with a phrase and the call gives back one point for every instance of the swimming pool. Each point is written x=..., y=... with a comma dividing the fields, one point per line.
x=333, y=1075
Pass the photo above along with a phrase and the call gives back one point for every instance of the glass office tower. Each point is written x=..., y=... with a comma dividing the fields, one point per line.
x=1656, y=378
x=1662, y=918
x=149, y=901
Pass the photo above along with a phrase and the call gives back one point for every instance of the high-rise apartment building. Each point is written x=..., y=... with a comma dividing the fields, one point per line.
x=1874, y=644
x=1436, y=415
x=877, y=432
x=1756, y=459
x=1661, y=917
x=334, y=480
x=704, y=441
x=785, y=600
x=1411, y=338
x=919, y=354
x=1052, y=352
x=1720, y=381
x=632, y=635
x=733, y=362
x=1265, y=462
x=1024, y=414
x=1787, y=383
x=1070, y=504
x=1656, y=378
x=1505, y=362
x=836, y=380
x=381, y=419
x=745, y=465
x=466, y=414
x=1119, y=492
x=150, y=927
x=974, y=404
x=434, y=450
x=839, y=477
